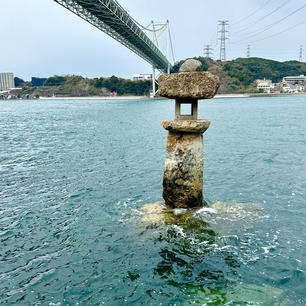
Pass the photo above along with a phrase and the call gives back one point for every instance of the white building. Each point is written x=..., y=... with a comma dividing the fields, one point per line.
x=290, y=88
x=6, y=80
x=294, y=79
x=264, y=84
x=142, y=77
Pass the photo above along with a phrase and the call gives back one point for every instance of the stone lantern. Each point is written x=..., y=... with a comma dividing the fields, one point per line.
x=183, y=172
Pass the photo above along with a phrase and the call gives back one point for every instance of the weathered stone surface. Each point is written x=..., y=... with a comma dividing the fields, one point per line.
x=194, y=85
x=186, y=126
x=183, y=172
x=191, y=65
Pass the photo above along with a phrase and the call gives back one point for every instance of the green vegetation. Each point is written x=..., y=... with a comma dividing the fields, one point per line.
x=242, y=72
x=241, y=294
x=122, y=86
x=56, y=80
x=238, y=76
x=77, y=86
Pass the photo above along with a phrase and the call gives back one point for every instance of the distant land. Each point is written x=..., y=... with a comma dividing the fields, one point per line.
x=78, y=86
x=236, y=76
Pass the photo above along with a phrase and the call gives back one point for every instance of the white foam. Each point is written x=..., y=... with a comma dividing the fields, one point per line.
x=179, y=230
x=206, y=210
x=179, y=211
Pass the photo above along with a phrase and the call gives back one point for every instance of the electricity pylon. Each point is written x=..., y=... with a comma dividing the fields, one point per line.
x=249, y=51
x=301, y=53
x=222, y=30
x=208, y=51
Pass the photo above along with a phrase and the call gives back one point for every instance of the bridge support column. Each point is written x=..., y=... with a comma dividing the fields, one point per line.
x=153, y=82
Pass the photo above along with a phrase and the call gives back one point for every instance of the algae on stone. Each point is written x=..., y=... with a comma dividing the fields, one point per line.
x=240, y=295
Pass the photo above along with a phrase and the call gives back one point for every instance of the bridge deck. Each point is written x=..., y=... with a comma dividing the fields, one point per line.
x=111, y=18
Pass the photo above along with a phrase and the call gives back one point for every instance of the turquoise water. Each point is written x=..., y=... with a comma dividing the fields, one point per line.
x=75, y=176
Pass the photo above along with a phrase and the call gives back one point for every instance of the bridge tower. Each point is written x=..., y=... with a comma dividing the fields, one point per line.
x=161, y=37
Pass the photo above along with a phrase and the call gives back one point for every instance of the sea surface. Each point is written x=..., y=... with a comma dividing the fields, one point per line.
x=75, y=227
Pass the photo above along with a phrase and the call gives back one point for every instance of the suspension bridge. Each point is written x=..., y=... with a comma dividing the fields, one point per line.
x=111, y=18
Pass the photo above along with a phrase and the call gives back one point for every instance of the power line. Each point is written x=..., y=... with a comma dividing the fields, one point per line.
x=291, y=51
x=281, y=32
x=253, y=13
x=224, y=25
x=273, y=24
x=264, y=17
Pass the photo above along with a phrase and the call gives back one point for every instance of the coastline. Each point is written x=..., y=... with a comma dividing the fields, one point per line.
x=258, y=95
x=97, y=98
x=218, y=96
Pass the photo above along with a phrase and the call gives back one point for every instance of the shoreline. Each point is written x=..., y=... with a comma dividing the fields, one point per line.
x=221, y=96
x=218, y=96
x=97, y=98
x=258, y=95
x=124, y=98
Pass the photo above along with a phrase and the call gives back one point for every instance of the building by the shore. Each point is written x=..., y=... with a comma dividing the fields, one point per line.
x=6, y=81
x=264, y=84
x=300, y=79
x=142, y=77
x=289, y=84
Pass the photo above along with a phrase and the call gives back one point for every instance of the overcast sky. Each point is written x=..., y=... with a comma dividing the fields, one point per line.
x=41, y=38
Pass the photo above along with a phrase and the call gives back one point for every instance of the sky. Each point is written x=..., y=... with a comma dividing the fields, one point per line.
x=41, y=38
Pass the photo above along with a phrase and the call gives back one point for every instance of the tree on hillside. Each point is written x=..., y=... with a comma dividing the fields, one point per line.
x=56, y=80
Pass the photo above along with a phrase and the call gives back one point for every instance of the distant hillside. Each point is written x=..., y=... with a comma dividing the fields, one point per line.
x=77, y=86
x=237, y=76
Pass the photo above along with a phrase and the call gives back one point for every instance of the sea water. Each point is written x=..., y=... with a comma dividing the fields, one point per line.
x=75, y=177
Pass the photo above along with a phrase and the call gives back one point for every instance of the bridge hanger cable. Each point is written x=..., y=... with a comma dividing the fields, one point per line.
x=140, y=25
x=162, y=26
x=147, y=28
x=173, y=59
